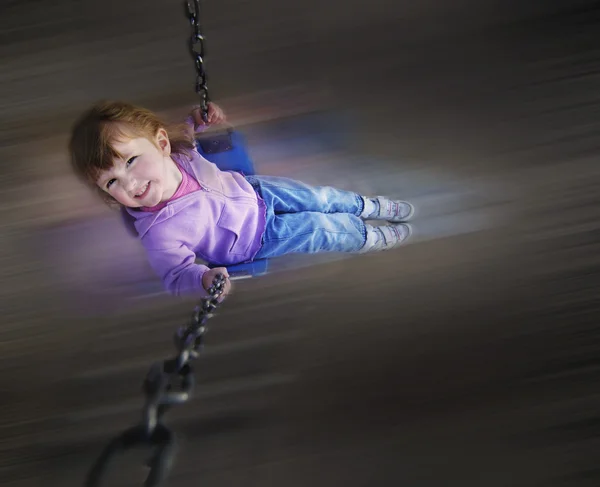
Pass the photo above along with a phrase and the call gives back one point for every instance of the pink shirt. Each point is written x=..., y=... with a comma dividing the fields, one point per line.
x=188, y=185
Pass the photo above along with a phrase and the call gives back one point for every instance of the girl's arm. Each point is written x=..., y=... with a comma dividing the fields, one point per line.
x=178, y=270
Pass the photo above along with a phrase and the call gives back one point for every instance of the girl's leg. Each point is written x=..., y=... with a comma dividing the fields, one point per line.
x=286, y=195
x=310, y=232
x=307, y=219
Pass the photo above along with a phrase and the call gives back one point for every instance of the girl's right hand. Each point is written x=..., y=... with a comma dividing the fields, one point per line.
x=215, y=115
x=210, y=275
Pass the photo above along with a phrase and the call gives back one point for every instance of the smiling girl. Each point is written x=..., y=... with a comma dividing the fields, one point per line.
x=184, y=207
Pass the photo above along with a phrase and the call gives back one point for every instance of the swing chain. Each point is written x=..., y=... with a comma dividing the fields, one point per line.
x=197, y=50
x=158, y=387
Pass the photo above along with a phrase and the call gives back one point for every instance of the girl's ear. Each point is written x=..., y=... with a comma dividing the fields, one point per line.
x=162, y=142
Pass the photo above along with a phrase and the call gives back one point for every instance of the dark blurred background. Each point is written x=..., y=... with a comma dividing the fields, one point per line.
x=469, y=358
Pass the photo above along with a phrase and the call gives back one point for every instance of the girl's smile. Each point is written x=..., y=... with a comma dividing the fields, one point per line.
x=144, y=191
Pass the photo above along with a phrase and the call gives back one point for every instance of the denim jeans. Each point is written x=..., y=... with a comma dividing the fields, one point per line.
x=308, y=219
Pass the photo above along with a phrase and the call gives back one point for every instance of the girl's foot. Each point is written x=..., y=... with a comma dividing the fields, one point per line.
x=382, y=208
x=386, y=237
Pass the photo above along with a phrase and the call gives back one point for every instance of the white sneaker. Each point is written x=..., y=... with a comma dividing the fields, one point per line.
x=391, y=210
x=386, y=237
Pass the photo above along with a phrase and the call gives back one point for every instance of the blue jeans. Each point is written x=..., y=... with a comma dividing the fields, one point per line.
x=308, y=219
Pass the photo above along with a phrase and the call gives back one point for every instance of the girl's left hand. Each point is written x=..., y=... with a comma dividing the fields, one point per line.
x=209, y=277
x=215, y=115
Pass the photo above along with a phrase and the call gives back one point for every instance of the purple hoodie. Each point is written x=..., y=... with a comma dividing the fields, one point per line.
x=222, y=223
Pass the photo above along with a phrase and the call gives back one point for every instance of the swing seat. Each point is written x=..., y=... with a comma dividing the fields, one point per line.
x=228, y=150
x=246, y=270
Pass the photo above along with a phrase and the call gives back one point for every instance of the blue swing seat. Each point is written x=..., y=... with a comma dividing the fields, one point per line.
x=228, y=150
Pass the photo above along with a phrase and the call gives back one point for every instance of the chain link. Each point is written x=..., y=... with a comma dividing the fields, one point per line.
x=197, y=50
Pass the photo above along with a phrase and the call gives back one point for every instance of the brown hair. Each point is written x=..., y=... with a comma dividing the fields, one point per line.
x=104, y=123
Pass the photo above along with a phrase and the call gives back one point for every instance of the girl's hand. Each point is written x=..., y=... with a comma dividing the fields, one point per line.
x=215, y=115
x=209, y=277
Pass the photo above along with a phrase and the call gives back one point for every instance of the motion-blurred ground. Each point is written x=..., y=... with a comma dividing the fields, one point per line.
x=468, y=358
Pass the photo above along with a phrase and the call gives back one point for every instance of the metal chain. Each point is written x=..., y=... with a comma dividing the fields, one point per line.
x=172, y=381
x=167, y=383
x=161, y=379
x=197, y=51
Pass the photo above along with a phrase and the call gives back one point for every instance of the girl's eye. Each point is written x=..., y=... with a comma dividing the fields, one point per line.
x=110, y=183
x=130, y=161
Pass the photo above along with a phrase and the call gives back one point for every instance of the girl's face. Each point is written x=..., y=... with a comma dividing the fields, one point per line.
x=145, y=176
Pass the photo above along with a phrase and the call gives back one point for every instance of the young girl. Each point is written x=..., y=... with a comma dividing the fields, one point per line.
x=184, y=207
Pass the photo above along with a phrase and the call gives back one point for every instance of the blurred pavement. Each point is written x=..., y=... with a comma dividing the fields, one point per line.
x=467, y=358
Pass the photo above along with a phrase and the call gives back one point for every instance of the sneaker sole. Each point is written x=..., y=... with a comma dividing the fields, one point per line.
x=410, y=232
x=411, y=214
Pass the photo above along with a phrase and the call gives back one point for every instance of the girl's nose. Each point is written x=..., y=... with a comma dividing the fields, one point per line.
x=129, y=184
